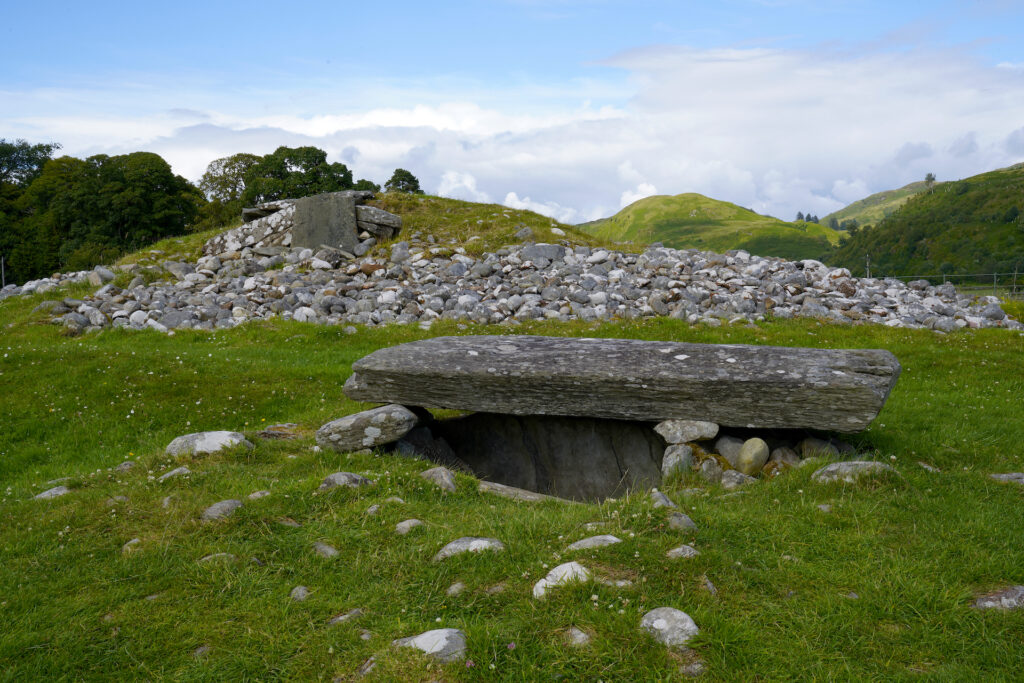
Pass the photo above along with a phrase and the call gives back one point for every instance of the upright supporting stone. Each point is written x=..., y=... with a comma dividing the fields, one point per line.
x=326, y=219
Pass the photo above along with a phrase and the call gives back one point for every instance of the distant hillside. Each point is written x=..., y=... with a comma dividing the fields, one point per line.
x=692, y=220
x=973, y=225
x=872, y=209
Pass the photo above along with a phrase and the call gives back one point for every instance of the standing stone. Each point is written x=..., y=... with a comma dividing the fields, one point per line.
x=669, y=626
x=325, y=220
x=752, y=456
x=678, y=458
x=367, y=429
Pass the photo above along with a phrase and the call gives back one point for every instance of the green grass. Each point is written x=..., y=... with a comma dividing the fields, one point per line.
x=873, y=208
x=693, y=221
x=73, y=606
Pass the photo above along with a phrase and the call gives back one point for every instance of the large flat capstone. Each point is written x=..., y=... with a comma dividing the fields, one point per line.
x=729, y=384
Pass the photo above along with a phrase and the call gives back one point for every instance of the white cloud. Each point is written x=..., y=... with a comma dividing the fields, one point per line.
x=642, y=190
x=778, y=131
x=461, y=186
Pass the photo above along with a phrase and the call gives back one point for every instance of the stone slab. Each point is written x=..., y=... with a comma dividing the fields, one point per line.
x=325, y=219
x=729, y=384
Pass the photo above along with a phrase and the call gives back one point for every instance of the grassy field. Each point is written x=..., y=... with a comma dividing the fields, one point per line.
x=878, y=588
x=693, y=221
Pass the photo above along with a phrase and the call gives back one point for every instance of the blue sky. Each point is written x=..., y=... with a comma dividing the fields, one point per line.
x=571, y=107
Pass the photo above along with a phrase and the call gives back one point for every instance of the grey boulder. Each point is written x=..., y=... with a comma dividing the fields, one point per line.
x=444, y=644
x=1011, y=598
x=442, y=477
x=367, y=429
x=221, y=510
x=55, y=492
x=347, y=479
x=468, y=544
x=685, y=431
x=594, y=542
x=203, y=443
x=669, y=626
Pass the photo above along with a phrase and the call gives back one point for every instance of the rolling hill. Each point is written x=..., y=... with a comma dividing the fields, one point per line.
x=873, y=208
x=693, y=221
x=975, y=225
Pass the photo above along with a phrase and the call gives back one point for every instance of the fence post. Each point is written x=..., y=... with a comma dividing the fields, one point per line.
x=994, y=283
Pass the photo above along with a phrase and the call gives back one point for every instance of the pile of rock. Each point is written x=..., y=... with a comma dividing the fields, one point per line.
x=573, y=417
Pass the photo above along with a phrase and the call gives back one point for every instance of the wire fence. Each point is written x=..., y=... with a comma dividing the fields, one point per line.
x=1006, y=285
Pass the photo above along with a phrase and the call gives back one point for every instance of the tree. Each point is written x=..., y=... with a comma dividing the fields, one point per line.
x=224, y=180
x=833, y=223
x=403, y=181
x=21, y=162
x=929, y=180
x=291, y=173
x=799, y=215
x=364, y=184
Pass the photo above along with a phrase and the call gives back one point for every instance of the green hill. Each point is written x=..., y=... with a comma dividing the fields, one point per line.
x=692, y=220
x=973, y=225
x=872, y=209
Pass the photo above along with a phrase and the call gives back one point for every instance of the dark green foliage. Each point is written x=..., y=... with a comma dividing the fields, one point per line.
x=403, y=181
x=364, y=184
x=968, y=226
x=21, y=162
x=77, y=213
x=292, y=172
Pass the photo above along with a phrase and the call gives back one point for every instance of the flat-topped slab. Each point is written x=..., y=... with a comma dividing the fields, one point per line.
x=728, y=384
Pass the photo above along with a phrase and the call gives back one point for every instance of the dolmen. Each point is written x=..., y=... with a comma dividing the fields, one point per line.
x=591, y=418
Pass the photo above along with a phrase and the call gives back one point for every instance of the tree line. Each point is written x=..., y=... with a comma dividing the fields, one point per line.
x=65, y=214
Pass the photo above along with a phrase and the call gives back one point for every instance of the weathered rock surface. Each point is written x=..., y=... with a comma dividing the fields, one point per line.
x=594, y=542
x=568, y=457
x=685, y=431
x=176, y=472
x=682, y=551
x=516, y=493
x=441, y=477
x=669, y=626
x=404, y=527
x=752, y=456
x=569, y=572
x=1011, y=598
x=736, y=385
x=1009, y=477
x=367, y=429
x=444, y=644
x=850, y=471
x=325, y=550
x=348, y=479
x=221, y=510
x=55, y=492
x=468, y=544
x=204, y=443
x=677, y=458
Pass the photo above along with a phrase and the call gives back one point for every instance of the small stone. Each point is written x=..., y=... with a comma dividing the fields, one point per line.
x=299, y=593
x=682, y=552
x=850, y=471
x=130, y=545
x=577, y=637
x=812, y=447
x=115, y=500
x=825, y=507
x=496, y=589
x=678, y=458
x=731, y=479
x=686, y=431
x=394, y=499
x=752, y=456
x=367, y=429
x=660, y=500
x=711, y=471
x=227, y=557
x=373, y=509
x=126, y=466
x=201, y=651
x=325, y=550
x=256, y=495
x=729, y=448
x=365, y=635
x=289, y=522
x=402, y=528
x=455, y=589
x=594, y=542
x=176, y=472
x=204, y=443
x=1011, y=598
x=468, y=544
x=708, y=586
x=366, y=667
x=346, y=617
x=669, y=626
x=677, y=520
x=929, y=468
x=1009, y=477
x=444, y=644
x=221, y=510
x=442, y=477
x=55, y=492
x=561, y=575
x=347, y=479
x=785, y=456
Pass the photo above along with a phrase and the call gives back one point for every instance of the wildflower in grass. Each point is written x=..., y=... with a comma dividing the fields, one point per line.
x=511, y=646
x=470, y=663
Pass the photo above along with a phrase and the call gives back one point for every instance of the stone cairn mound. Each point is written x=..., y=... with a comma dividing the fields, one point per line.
x=591, y=418
x=310, y=260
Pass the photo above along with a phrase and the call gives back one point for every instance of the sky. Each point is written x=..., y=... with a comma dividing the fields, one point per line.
x=573, y=108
